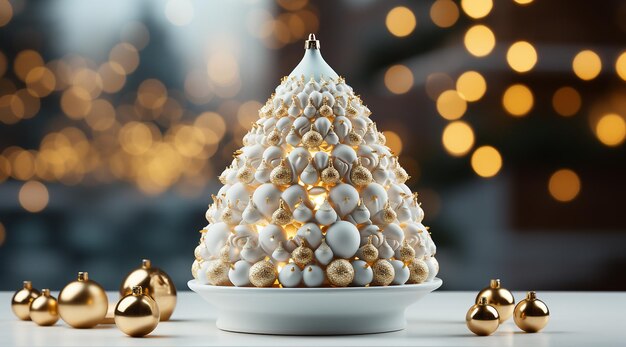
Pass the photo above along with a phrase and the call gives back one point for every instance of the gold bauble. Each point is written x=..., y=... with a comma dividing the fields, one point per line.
x=302, y=255
x=281, y=175
x=360, y=175
x=20, y=303
x=482, y=319
x=137, y=314
x=158, y=284
x=312, y=139
x=326, y=110
x=382, y=139
x=406, y=252
x=418, y=271
x=227, y=215
x=44, y=310
x=217, y=273
x=262, y=274
x=383, y=273
x=282, y=110
x=531, y=314
x=388, y=214
x=195, y=267
x=83, y=303
x=353, y=138
x=350, y=110
x=225, y=253
x=400, y=173
x=340, y=273
x=498, y=297
x=273, y=138
x=330, y=175
x=369, y=252
x=282, y=215
x=245, y=174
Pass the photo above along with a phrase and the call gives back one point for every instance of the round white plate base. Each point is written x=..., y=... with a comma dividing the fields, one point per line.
x=313, y=311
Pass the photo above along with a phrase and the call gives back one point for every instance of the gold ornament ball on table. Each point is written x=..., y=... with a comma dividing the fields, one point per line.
x=83, y=303
x=20, y=303
x=531, y=314
x=137, y=314
x=340, y=273
x=498, y=297
x=158, y=285
x=44, y=310
x=482, y=319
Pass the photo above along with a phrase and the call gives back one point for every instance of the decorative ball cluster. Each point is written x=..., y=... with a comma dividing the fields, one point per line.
x=314, y=198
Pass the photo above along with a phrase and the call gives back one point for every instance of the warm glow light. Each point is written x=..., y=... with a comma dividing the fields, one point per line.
x=25, y=62
x=179, y=12
x=318, y=200
x=398, y=79
x=471, y=85
x=437, y=83
x=458, y=138
x=394, y=141
x=486, y=161
x=126, y=56
x=611, y=129
x=151, y=94
x=76, y=102
x=564, y=185
x=566, y=101
x=33, y=196
x=40, y=81
x=3, y=234
x=620, y=66
x=523, y=2
x=518, y=100
x=444, y=13
x=479, y=40
x=101, y=116
x=113, y=76
x=477, y=8
x=521, y=56
x=4, y=64
x=587, y=65
x=400, y=21
x=451, y=105
x=6, y=12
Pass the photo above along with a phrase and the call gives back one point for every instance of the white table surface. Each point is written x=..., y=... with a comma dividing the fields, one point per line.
x=577, y=319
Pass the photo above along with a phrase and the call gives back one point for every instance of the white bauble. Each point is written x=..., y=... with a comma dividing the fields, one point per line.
x=270, y=236
x=263, y=171
x=216, y=236
x=254, y=154
x=280, y=253
x=290, y=275
x=418, y=214
x=345, y=198
x=342, y=126
x=323, y=253
x=202, y=272
x=302, y=125
x=343, y=156
x=251, y=213
x=394, y=235
x=299, y=158
x=252, y=252
x=395, y=194
x=312, y=233
x=266, y=198
x=325, y=215
x=273, y=155
x=373, y=231
x=375, y=197
x=361, y=214
x=433, y=267
x=238, y=273
x=343, y=238
x=322, y=125
x=284, y=124
x=222, y=192
x=385, y=251
x=316, y=98
x=363, y=274
x=368, y=156
x=293, y=195
x=403, y=212
x=292, y=137
x=401, y=272
x=380, y=174
x=320, y=159
x=302, y=213
x=313, y=276
x=309, y=175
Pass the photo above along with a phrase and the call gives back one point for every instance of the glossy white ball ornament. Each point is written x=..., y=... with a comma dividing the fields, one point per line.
x=345, y=198
x=433, y=267
x=266, y=198
x=239, y=272
x=401, y=272
x=363, y=274
x=313, y=276
x=312, y=233
x=343, y=238
x=323, y=253
x=290, y=275
x=270, y=236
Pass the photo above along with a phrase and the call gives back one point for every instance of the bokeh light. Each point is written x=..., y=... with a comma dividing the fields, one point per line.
x=444, y=13
x=394, y=141
x=564, y=185
x=486, y=161
x=400, y=21
x=6, y=12
x=611, y=129
x=4, y=64
x=458, y=138
x=398, y=79
x=40, y=81
x=620, y=66
x=471, y=85
x=76, y=102
x=523, y=2
x=3, y=234
x=451, y=105
x=26, y=61
x=126, y=56
x=33, y=196
x=477, y=8
x=437, y=83
x=479, y=40
x=566, y=101
x=518, y=100
x=179, y=12
x=521, y=56
x=587, y=65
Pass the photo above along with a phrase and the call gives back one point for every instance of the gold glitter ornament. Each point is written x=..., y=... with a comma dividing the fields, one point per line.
x=418, y=271
x=302, y=255
x=382, y=139
x=383, y=273
x=360, y=175
x=350, y=110
x=227, y=215
x=217, y=273
x=137, y=314
x=353, y=138
x=225, y=254
x=406, y=252
x=482, y=319
x=399, y=172
x=156, y=282
x=195, y=267
x=44, y=309
x=368, y=253
x=273, y=138
x=330, y=175
x=500, y=298
x=531, y=314
x=263, y=274
x=326, y=110
x=281, y=111
x=83, y=303
x=340, y=273
x=21, y=300
x=282, y=215
x=388, y=215
x=281, y=175
x=312, y=139
x=245, y=174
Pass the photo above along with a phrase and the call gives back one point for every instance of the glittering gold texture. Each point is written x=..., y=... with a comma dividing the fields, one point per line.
x=282, y=215
x=388, y=214
x=83, y=303
x=302, y=255
x=360, y=175
x=44, y=310
x=281, y=175
x=262, y=274
x=217, y=273
x=406, y=252
x=245, y=174
x=498, y=297
x=383, y=273
x=330, y=175
x=482, y=319
x=312, y=139
x=418, y=271
x=21, y=300
x=340, y=273
x=531, y=314
x=158, y=284
x=326, y=110
x=368, y=253
x=137, y=314
x=354, y=139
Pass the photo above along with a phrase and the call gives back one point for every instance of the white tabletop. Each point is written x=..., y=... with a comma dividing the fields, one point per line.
x=577, y=319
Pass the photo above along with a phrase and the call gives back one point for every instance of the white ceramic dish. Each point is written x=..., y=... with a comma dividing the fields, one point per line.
x=313, y=311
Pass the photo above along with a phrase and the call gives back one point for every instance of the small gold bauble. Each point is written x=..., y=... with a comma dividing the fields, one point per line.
x=340, y=273
x=368, y=253
x=330, y=175
x=382, y=139
x=227, y=215
x=273, y=138
x=282, y=110
x=350, y=110
x=44, y=310
x=83, y=303
x=262, y=274
x=225, y=254
x=482, y=319
x=400, y=173
x=312, y=139
x=326, y=110
x=418, y=271
x=406, y=252
x=158, y=285
x=195, y=267
x=498, y=297
x=531, y=314
x=360, y=175
x=21, y=300
x=245, y=174
x=281, y=175
x=137, y=314
x=388, y=214
x=282, y=215
x=383, y=273
x=217, y=273
x=353, y=138
x=302, y=255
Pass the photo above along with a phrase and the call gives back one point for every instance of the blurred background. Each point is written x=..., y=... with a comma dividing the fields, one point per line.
x=117, y=116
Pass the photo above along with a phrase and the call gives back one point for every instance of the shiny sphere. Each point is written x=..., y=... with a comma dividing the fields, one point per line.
x=531, y=314
x=498, y=297
x=21, y=300
x=44, y=309
x=83, y=303
x=482, y=319
x=136, y=314
x=158, y=285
